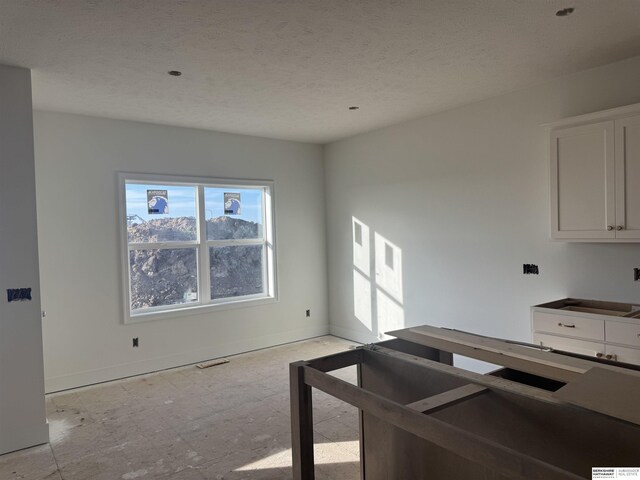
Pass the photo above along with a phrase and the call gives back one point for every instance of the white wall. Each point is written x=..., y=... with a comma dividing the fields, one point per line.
x=464, y=195
x=77, y=158
x=22, y=413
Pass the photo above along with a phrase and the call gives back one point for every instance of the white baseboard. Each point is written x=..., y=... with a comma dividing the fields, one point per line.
x=114, y=372
x=354, y=335
x=27, y=437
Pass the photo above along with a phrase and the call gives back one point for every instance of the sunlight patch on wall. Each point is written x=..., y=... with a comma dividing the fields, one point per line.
x=361, y=248
x=362, y=299
x=361, y=274
x=378, y=301
x=388, y=267
x=390, y=314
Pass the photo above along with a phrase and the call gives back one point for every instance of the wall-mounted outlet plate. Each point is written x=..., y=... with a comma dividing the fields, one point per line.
x=308, y=313
x=136, y=342
x=530, y=269
x=636, y=274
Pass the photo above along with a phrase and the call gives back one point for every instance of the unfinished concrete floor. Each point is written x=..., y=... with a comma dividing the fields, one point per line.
x=226, y=422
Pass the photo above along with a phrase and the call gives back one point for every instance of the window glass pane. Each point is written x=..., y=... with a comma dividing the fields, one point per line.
x=233, y=213
x=161, y=213
x=163, y=277
x=236, y=271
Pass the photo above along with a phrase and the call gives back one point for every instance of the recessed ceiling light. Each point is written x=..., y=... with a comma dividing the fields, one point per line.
x=174, y=73
x=354, y=108
x=565, y=12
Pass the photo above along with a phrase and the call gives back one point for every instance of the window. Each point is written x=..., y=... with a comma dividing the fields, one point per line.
x=193, y=243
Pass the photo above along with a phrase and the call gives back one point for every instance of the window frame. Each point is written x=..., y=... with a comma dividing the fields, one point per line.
x=202, y=245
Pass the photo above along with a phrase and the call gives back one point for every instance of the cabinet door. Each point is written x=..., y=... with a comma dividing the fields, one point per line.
x=628, y=177
x=583, y=182
x=627, y=334
x=622, y=354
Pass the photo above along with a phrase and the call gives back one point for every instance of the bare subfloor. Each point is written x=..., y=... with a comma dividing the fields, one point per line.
x=225, y=422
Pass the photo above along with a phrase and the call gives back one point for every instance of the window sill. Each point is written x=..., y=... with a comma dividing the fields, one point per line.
x=197, y=310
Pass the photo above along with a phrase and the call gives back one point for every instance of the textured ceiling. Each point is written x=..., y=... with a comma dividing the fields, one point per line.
x=290, y=69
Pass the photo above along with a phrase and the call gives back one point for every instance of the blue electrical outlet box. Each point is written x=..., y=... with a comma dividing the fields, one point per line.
x=18, y=294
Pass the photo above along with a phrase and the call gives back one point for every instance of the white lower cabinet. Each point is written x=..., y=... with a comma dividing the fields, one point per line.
x=606, y=330
x=623, y=354
x=569, y=326
x=582, y=347
x=627, y=334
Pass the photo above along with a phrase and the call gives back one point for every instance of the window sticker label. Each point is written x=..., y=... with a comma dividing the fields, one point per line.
x=157, y=202
x=627, y=473
x=232, y=203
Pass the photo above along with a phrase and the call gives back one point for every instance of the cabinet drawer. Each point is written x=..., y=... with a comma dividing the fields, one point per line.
x=625, y=333
x=569, y=325
x=623, y=354
x=569, y=344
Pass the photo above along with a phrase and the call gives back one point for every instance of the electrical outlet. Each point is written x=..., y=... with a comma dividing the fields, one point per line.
x=530, y=269
x=136, y=343
x=636, y=274
x=18, y=294
x=308, y=313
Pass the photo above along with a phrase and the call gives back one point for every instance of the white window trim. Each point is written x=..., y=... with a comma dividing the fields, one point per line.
x=204, y=304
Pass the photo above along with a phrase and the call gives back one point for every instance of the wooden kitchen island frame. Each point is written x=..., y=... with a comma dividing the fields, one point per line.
x=423, y=418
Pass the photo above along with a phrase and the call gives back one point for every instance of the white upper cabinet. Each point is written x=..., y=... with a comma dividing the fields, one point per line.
x=582, y=182
x=627, y=155
x=595, y=175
